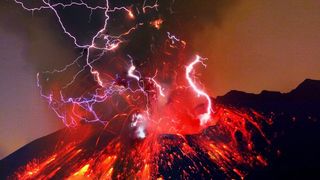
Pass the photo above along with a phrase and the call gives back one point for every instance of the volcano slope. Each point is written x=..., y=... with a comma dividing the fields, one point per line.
x=284, y=147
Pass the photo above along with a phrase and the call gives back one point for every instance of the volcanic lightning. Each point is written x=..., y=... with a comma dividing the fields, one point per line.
x=152, y=108
x=204, y=118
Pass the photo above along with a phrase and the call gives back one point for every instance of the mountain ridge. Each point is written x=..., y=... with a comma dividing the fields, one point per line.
x=305, y=96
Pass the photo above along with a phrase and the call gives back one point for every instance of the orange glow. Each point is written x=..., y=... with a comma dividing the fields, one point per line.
x=157, y=23
x=130, y=14
x=82, y=171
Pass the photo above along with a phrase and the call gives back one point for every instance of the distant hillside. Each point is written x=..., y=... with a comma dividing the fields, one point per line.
x=305, y=98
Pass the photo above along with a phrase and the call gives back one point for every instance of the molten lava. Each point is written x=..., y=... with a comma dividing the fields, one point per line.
x=226, y=149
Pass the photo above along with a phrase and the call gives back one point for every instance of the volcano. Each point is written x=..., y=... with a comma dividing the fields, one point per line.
x=134, y=107
x=92, y=151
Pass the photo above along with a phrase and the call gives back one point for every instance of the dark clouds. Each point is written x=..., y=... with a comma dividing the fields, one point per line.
x=190, y=17
x=50, y=48
x=47, y=47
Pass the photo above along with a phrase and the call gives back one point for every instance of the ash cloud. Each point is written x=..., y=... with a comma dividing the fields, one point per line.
x=46, y=47
x=189, y=18
x=50, y=48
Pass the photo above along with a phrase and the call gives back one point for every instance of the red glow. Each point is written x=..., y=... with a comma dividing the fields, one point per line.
x=144, y=158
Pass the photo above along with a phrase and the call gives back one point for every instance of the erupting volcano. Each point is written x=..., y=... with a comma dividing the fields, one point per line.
x=134, y=105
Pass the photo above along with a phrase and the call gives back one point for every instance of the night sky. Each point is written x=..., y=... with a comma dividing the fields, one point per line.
x=250, y=46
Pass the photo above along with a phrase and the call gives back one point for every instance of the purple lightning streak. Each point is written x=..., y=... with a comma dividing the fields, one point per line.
x=173, y=38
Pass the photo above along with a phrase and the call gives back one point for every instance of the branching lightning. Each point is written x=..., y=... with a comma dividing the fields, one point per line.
x=112, y=42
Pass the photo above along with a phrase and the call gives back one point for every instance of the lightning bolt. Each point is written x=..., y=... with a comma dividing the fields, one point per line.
x=205, y=117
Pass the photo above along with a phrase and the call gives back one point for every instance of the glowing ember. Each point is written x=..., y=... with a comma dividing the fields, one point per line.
x=150, y=112
x=157, y=23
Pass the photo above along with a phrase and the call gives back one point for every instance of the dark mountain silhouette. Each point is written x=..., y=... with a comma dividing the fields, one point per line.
x=295, y=134
x=295, y=128
x=304, y=99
